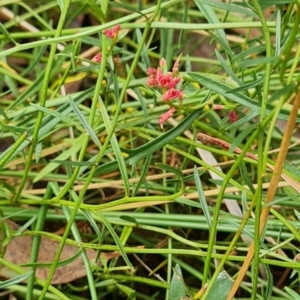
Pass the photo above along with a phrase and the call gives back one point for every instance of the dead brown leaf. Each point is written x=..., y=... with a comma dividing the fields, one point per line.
x=18, y=252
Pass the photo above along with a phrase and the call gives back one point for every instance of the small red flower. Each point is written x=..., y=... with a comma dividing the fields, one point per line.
x=172, y=94
x=151, y=81
x=162, y=63
x=166, y=116
x=167, y=80
x=233, y=117
x=113, y=32
x=97, y=58
x=176, y=65
x=218, y=106
x=151, y=72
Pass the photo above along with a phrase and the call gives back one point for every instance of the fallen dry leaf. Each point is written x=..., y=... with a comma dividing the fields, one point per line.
x=18, y=252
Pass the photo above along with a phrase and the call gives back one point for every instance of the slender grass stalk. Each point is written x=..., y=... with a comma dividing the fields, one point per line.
x=36, y=243
x=262, y=149
x=11, y=151
x=43, y=98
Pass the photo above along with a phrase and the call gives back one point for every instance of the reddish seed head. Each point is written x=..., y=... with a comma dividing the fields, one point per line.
x=166, y=116
x=113, y=32
x=172, y=94
x=152, y=82
x=167, y=82
x=233, y=117
x=176, y=65
x=162, y=63
x=151, y=72
x=218, y=106
x=97, y=58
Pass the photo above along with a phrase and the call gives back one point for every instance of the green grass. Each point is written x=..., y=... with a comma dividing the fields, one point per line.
x=84, y=161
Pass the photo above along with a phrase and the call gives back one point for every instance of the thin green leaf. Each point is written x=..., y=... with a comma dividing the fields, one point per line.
x=60, y=4
x=58, y=115
x=121, y=6
x=202, y=198
x=287, y=223
x=36, y=57
x=230, y=7
x=245, y=175
x=129, y=219
x=73, y=163
x=252, y=50
x=129, y=292
x=282, y=199
x=278, y=34
x=5, y=156
x=38, y=151
x=4, y=31
x=15, y=280
x=292, y=293
x=62, y=157
x=10, y=82
x=257, y=61
x=227, y=68
x=15, y=129
x=266, y=3
x=239, y=139
x=85, y=123
x=177, y=285
x=115, y=145
x=144, y=171
x=297, y=214
x=115, y=237
x=248, y=86
x=244, y=203
x=96, y=9
x=292, y=169
x=61, y=263
x=221, y=287
x=269, y=281
x=94, y=225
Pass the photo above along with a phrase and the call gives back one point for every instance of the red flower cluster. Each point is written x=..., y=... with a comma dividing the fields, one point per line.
x=168, y=83
x=113, y=32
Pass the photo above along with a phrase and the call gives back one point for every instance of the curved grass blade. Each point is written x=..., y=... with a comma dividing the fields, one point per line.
x=85, y=123
x=230, y=7
x=202, y=199
x=115, y=237
x=15, y=280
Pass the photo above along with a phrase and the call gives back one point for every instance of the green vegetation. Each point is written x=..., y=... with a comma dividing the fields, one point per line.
x=149, y=149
